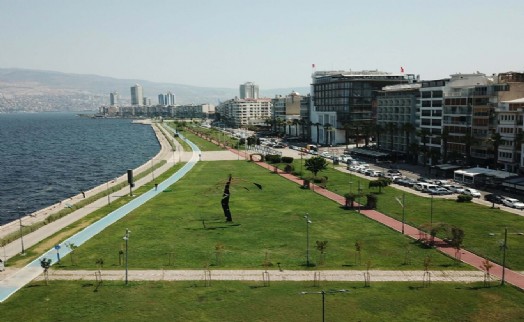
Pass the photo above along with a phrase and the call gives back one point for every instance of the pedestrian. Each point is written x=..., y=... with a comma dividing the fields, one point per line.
x=83, y=194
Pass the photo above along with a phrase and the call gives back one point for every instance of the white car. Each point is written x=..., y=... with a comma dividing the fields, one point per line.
x=513, y=203
x=454, y=188
x=472, y=192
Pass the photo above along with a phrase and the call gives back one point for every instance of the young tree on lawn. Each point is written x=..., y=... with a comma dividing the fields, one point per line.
x=45, y=263
x=72, y=247
x=316, y=164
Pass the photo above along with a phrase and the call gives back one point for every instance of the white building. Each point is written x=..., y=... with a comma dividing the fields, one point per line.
x=249, y=90
x=245, y=112
x=137, y=95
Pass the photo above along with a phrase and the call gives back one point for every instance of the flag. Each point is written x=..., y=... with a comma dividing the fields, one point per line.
x=401, y=69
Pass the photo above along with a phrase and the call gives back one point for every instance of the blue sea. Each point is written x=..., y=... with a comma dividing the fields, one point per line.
x=48, y=157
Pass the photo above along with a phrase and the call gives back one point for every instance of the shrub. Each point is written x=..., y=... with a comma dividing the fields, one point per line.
x=273, y=158
x=288, y=168
x=287, y=159
x=464, y=198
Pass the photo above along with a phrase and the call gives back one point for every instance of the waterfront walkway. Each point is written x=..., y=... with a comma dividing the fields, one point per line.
x=12, y=280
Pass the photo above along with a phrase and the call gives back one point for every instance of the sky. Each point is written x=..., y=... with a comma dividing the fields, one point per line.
x=273, y=43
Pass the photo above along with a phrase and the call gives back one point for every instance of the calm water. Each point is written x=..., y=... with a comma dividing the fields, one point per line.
x=47, y=157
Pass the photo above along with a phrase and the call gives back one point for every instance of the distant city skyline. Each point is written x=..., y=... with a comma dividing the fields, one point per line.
x=272, y=43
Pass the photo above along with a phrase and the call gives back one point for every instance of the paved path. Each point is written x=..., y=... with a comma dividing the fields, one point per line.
x=274, y=275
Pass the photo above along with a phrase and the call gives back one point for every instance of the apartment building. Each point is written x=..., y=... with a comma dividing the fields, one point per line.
x=245, y=112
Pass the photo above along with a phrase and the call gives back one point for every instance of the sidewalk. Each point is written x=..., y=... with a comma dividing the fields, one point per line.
x=274, y=275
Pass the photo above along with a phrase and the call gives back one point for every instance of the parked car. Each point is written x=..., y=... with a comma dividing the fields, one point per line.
x=472, y=192
x=513, y=203
x=394, y=172
x=326, y=155
x=494, y=198
x=454, y=188
x=438, y=191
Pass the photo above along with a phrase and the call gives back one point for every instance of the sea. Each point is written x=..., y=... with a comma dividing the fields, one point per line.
x=52, y=156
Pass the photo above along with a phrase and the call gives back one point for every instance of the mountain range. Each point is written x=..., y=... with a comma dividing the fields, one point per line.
x=37, y=90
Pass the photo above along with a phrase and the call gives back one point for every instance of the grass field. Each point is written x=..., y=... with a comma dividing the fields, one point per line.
x=249, y=301
x=483, y=226
x=187, y=224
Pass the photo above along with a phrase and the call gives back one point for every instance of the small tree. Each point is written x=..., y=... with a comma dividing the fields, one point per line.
x=321, y=247
x=371, y=201
x=316, y=164
x=350, y=198
x=358, y=249
x=457, y=237
x=72, y=247
x=45, y=263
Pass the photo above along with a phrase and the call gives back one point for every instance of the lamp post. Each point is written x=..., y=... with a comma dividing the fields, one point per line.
x=324, y=299
x=21, y=233
x=359, y=192
x=504, y=246
x=126, y=238
x=108, y=194
x=308, y=222
x=402, y=204
x=153, y=168
x=431, y=213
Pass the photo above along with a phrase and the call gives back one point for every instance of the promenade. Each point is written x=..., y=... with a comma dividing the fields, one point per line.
x=12, y=276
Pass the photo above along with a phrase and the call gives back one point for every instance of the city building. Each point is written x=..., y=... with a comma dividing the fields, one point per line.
x=192, y=111
x=396, y=118
x=345, y=101
x=245, y=112
x=249, y=90
x=113, y=99
x=286, y=113
x=137, y=95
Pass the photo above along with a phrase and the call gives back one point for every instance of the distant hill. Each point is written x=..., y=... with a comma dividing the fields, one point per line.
x=26, y=89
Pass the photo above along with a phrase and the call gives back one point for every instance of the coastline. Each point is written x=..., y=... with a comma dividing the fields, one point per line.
x=165, y=153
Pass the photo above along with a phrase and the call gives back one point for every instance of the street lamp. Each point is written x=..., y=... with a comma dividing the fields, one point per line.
x=126, y=238
x=324, y=300
x=402, y=204
x=431, y=212
x=21, y=233
x=308, y=222
x=504, y=247
x=359, y=192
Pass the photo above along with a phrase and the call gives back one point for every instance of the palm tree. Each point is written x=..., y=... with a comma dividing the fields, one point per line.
x=366, y=131
x=318, y=130
x=391, y=128
x=378, y=128
x=408, y=128
x=444, y=138
x=414, y=150
x=424, y=135
x=469, y=140
x=517, y=143
x=495, y=140
x=295, y=122
x=327, y=129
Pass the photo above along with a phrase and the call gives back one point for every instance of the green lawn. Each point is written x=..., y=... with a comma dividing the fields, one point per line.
x=268, y=227
x=249, y=301
x=483, y=226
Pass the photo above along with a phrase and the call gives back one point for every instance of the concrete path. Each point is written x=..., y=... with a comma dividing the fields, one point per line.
x=274, y=275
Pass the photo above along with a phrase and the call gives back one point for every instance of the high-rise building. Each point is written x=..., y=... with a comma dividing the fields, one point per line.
x=161, y=100
x=249, y=90
x=345, y=100
x=113, y=98
x=169, y=99
x=137, y=95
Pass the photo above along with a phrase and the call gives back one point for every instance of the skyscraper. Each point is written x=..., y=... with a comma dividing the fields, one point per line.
x=137, y=95
x=113, y=98
x=248, y=90
x=169, y=99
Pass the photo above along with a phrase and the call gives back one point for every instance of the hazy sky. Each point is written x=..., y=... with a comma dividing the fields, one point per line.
x=223, y=43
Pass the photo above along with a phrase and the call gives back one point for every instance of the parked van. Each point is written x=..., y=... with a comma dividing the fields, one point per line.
x=424, y=186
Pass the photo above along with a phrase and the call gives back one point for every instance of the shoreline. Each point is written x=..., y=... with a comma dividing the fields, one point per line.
x=42, y=214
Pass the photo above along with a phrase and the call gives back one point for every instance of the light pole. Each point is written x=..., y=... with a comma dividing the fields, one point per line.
x=402, y=204
x=153, y=169
x=108, y=194
x=324, y=299
x=431, y=213
x=504, y=247
x=126, y=238
x=21, y=233
x=308, y=222
x=359, y=192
